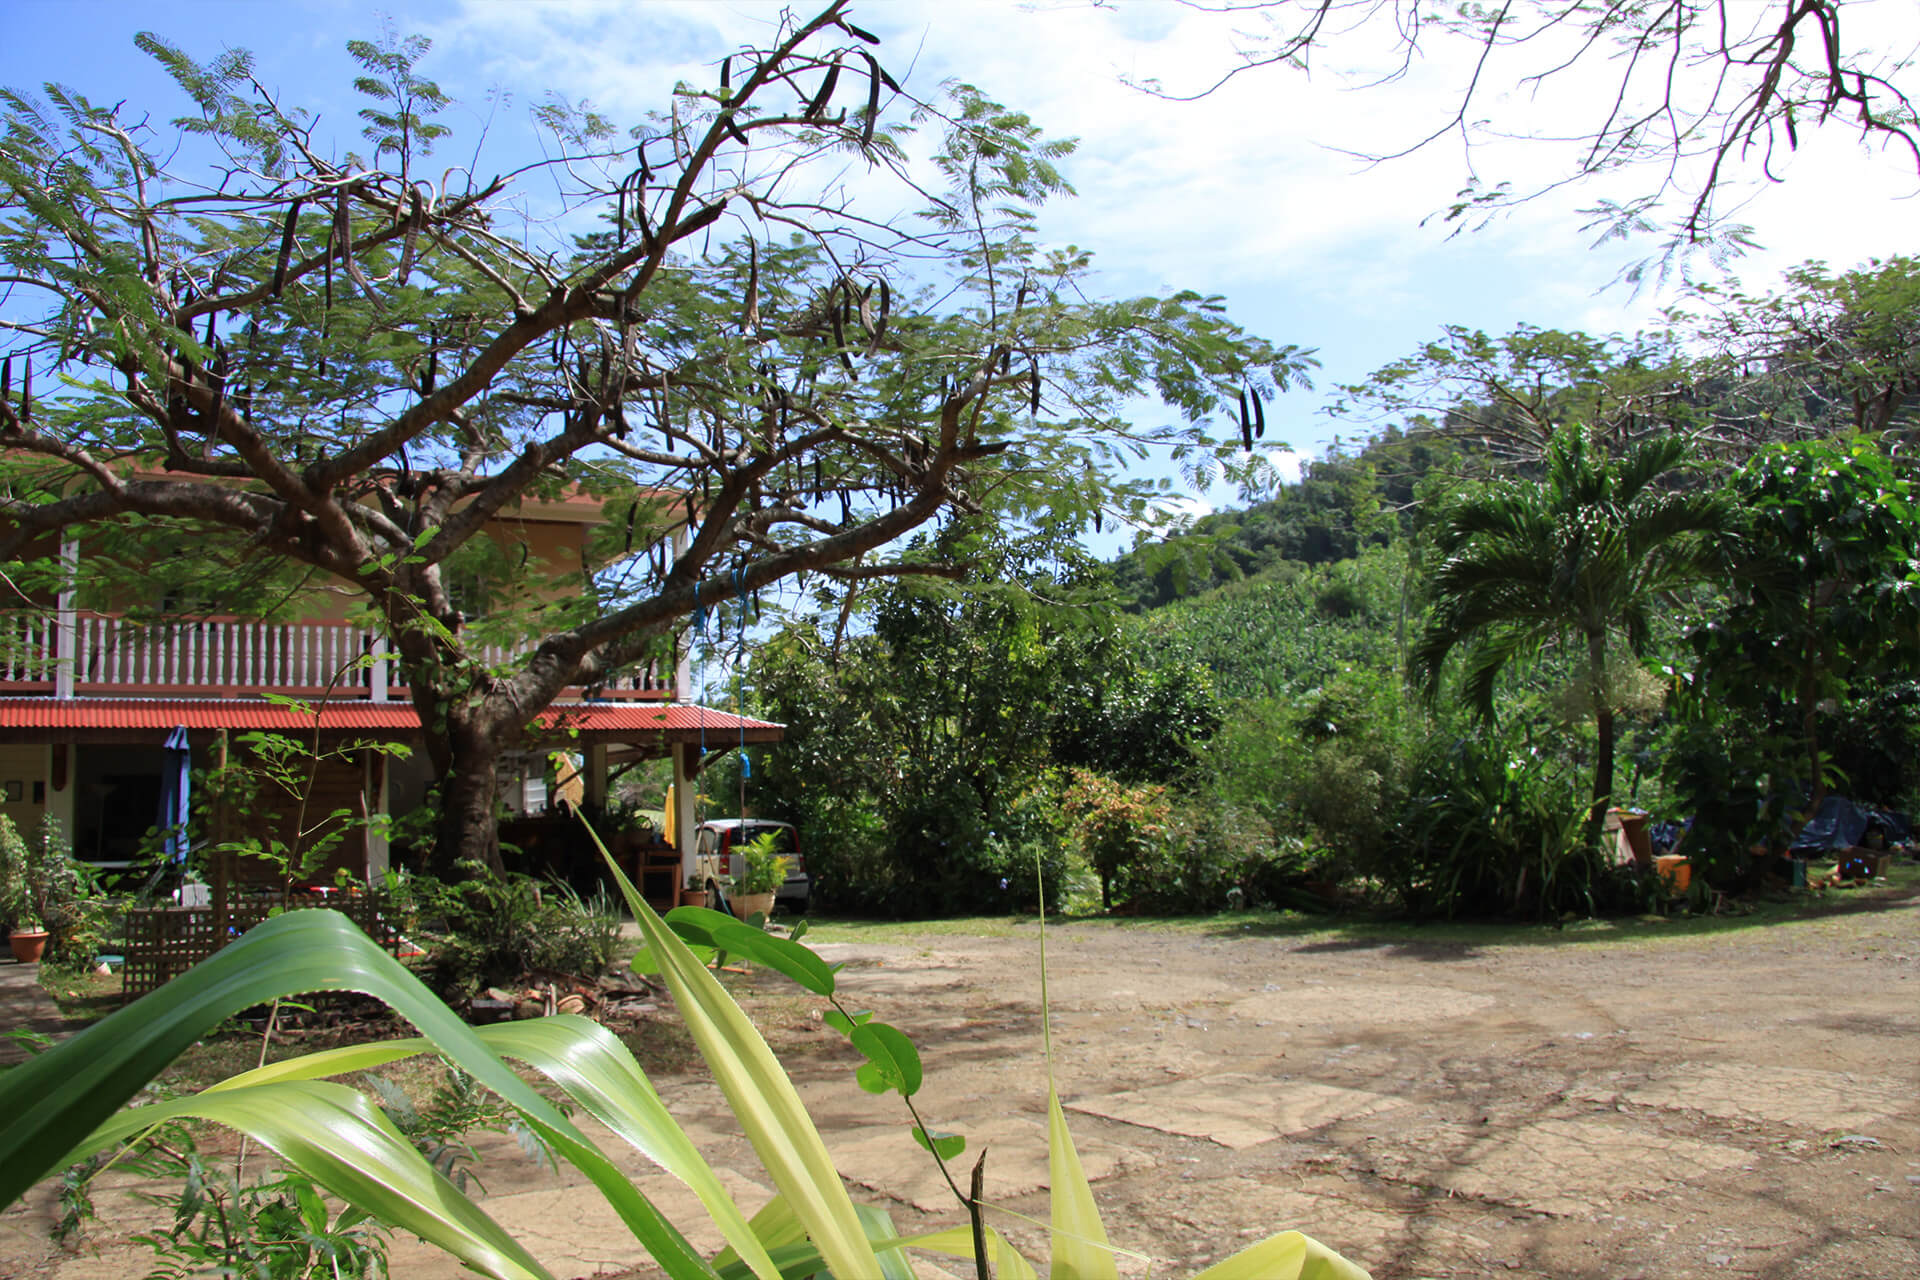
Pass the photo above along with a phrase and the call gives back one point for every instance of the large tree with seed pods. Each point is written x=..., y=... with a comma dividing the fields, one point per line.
x=349, y=361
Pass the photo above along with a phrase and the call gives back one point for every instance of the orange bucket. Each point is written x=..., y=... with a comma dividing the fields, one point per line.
x=1674, y=871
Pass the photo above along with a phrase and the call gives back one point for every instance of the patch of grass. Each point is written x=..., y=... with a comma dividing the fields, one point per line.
x=1774, y=908
x=849, y=929
x=82, y=995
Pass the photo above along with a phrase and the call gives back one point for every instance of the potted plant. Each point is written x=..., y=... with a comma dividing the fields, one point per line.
x=39, y=887
x=763, y=869
x=694, y=892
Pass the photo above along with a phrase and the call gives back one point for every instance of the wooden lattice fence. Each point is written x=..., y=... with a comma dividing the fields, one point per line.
x=165, y=942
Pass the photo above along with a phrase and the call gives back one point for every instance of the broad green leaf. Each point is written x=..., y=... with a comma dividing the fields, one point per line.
x=789, y=958
x=889, y=1050
x=51, y=1104
x=762, y=1098
x=696, y=925
x=1287, y=1256
x=943, y=1144
x=842, y=1023
x=341, y=1141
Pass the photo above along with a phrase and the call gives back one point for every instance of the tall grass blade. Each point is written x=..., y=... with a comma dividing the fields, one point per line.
x=1287, y=1256
x=762, y=1099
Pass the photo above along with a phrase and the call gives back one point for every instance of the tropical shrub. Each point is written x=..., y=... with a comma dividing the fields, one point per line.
x=491, y=928
x=763, y=868
x=1495, y=824
x=1214, y=856
x=42, y=886
x=1118, y=828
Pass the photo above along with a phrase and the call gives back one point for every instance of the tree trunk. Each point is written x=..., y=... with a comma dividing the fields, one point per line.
x=468, y=829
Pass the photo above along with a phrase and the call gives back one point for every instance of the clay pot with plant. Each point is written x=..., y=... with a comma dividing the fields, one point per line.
x=40, y=888
x=763, y=869
x=694, y=892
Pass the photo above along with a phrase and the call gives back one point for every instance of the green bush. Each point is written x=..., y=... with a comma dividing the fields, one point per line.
x=43, y=887
x=1494, y=826
x=1215, y=856
x=488, y=929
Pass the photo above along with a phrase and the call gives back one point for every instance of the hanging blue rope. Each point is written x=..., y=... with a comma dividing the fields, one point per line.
x=739, y=684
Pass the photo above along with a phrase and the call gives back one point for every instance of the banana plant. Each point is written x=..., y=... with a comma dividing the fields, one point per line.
x=66, y=1104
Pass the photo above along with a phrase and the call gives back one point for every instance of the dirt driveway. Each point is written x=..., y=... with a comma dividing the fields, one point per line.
x=1741, y=1104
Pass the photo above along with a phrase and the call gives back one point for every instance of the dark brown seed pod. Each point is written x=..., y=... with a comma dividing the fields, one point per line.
x=1033, y=404
x=1259, y=416
x=873, y=100
x=750, y=313
x=286, y=250
x=6, y=378
x=1246, y=423
x=820, y=99
x=633, y=509
x=846, y=508
x=858, y=34
x=1096, y=521
x=726, y=72
x=26, y=392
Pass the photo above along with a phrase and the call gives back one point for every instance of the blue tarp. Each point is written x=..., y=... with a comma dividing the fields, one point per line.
x=1842, y=824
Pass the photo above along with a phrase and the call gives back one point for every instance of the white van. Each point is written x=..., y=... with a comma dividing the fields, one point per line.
x=716, y=855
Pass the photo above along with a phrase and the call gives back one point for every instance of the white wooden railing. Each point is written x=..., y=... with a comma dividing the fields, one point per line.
x=222, y=656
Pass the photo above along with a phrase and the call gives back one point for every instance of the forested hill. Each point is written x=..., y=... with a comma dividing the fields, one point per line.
x=1343, y=504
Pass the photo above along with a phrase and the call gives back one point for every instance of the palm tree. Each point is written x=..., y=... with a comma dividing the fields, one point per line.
x=1585, y=553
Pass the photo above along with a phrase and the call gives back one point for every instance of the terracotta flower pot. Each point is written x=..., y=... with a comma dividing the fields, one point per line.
x=28, y=944
x=745, y=904
x=693, y=897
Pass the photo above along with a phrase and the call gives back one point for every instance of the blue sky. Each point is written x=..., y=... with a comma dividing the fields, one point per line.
x=1245, y=194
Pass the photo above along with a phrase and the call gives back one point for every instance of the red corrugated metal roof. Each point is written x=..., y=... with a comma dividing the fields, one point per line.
x=365, y=717
x=612, y=716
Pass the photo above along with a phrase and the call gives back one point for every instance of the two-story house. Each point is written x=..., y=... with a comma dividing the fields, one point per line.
x=89, y=700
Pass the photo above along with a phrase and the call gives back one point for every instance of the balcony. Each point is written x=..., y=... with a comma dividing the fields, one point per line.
x=228, y=658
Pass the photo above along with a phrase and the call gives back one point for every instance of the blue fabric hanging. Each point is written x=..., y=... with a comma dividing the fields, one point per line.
x=176, y=794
